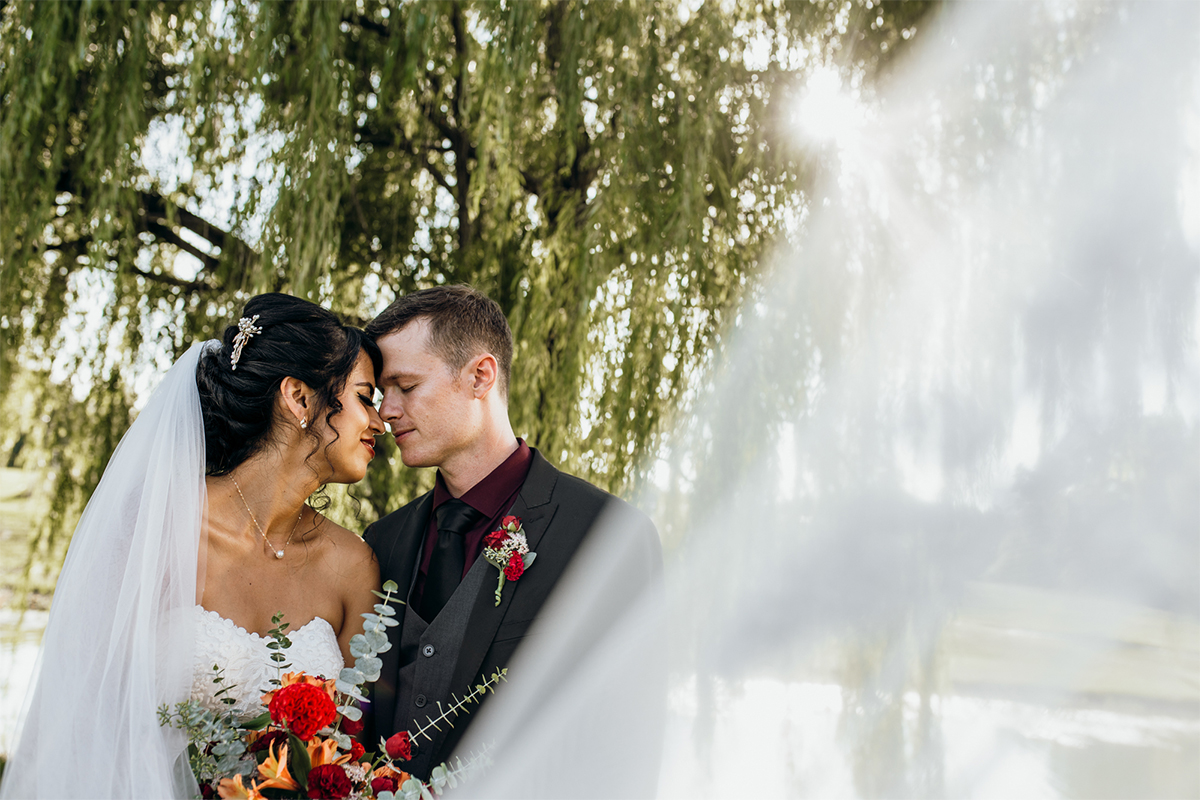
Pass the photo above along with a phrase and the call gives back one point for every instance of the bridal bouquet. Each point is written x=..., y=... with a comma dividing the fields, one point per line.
x=303, y=745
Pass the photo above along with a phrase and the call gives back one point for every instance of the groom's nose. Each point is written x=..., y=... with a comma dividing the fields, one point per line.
x=390, y=408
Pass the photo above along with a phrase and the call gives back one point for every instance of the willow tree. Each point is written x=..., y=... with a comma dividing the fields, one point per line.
x=609, y=172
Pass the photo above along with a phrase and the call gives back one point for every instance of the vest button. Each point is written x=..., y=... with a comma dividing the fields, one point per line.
x=427, y=650
x=419, y=701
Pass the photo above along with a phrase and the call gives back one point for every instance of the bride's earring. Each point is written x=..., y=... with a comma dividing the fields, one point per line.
x=304, y=423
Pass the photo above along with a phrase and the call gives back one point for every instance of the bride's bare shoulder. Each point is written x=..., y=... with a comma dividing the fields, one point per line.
x=346, y=550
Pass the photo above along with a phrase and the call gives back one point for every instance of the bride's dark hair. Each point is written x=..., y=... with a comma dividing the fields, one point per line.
x=299, y=339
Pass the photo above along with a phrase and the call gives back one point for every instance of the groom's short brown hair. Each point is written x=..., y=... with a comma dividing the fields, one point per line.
x=463, y=322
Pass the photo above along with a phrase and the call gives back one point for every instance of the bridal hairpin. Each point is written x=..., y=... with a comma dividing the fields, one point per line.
x=246, y=330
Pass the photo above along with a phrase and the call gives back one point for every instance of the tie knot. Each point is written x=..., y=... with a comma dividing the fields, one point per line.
x=456, y=516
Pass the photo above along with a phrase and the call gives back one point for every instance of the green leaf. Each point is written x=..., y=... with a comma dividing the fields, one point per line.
x=350, y=712
x=257, y=723
x=412, y=789
x=390, y=586
x=387, y=611
x=298, y=760
x=378, y=640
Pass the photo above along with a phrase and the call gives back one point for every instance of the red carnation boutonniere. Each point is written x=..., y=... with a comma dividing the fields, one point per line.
x=508, y=551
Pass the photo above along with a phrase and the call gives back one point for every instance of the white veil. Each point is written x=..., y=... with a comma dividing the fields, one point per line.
x=940, y=529
x=119, y=641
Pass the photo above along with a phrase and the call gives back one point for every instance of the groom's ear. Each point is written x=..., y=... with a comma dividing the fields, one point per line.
x=483, y=372
x=297, y=398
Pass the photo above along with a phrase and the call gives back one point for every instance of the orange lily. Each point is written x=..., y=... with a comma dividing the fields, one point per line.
x=233, y=789
x=275, y=770
x=384, y=771
x=323, y=752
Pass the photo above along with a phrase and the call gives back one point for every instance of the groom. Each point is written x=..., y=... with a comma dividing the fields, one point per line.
x=447, y=354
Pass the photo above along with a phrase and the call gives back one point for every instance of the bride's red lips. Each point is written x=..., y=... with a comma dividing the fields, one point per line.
x=370, y=445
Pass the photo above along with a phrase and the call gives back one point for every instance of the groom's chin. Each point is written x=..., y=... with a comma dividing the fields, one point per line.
x=414, y=461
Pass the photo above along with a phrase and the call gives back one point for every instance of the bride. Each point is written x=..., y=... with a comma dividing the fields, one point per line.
x=196, y=535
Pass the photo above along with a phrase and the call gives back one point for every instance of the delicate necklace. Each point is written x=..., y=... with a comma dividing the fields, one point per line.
x=279, y=552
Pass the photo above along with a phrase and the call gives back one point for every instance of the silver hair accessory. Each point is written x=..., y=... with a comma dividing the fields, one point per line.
x=246, y=330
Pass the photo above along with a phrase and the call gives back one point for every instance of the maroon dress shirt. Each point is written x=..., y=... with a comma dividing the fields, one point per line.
x=494, y=496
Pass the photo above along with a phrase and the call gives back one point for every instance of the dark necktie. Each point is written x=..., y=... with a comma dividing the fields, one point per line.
x=454, y=519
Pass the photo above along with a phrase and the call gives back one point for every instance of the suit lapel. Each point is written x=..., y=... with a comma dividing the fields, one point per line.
x=536, y=512
x=398, y=561
x=401, y=562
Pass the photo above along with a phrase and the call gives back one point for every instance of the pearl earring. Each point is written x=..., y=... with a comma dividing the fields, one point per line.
x=304, y=423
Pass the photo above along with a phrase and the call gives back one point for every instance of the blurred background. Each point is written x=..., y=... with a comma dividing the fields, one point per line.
x=886, y=313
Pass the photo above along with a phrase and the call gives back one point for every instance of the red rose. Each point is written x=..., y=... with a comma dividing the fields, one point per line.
x=352, y=727
x=303, y=708
x=510, y=520
x=495, y=539
x=207, y=791
x=356, y=750
x=399, y=747
x=383, y=785
x=515, y=568
x=328, y=781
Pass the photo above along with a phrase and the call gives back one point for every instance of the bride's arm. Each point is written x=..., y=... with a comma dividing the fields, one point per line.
x=358, y=600
x=356, y=596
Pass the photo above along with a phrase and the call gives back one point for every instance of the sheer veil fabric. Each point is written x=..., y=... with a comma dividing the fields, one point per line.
x=119, y=642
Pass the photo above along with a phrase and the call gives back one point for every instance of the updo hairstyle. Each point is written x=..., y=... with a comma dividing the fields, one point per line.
x=299, y=339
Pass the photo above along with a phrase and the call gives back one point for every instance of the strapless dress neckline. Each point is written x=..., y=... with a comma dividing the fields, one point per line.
x=245, y=660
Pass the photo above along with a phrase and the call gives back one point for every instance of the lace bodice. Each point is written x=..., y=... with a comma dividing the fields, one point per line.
x=247, y=663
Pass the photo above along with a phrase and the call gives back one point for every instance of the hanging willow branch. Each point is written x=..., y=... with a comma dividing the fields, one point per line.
x=611, y=173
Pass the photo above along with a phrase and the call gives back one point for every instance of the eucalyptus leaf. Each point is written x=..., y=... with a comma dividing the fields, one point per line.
x=387, y=611
x=378, y=640
x=359, y=646
x=528, y=558
x=351, y=712
x=368, y=664
x=350, y=675
x=390, y=586
x=389, y=622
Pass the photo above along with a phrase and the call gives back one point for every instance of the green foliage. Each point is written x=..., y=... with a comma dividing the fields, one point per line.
x=610, y=173
x=215, y=743
x=366, y=647
x=278, y=645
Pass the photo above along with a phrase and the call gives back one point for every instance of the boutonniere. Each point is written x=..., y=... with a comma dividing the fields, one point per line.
x=508, y=551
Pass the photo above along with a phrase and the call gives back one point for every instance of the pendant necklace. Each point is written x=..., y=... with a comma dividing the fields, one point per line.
x=279, y=552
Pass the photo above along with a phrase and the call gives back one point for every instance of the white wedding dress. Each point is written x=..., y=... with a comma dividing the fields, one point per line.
x=246, y=660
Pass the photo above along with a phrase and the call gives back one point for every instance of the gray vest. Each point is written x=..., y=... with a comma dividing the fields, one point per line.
x=428, y=655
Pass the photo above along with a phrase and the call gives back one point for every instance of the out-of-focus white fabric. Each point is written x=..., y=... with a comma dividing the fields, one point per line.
x=120, y=639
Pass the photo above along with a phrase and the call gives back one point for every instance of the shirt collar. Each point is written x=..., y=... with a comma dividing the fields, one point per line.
x=496, y=488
